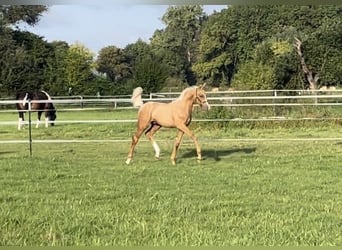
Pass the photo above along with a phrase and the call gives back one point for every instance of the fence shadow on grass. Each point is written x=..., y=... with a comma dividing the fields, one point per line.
x=6, y=152
x=218, y=154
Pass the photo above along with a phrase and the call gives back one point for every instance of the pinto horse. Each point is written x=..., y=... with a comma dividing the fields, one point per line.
x=176, y=114
x=40, y=107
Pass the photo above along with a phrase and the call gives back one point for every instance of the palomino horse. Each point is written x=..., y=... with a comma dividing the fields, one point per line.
x=176, y=114
x=40, y=107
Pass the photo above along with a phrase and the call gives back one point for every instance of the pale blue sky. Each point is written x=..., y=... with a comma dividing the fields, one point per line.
x=98, y=26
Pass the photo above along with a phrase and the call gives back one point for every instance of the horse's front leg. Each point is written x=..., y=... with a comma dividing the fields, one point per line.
x=38, y=118
x=176, y=146
x=46, y=119
x=188, y=132
x=20, y=120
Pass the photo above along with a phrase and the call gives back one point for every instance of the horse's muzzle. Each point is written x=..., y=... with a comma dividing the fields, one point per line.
x=205, y=106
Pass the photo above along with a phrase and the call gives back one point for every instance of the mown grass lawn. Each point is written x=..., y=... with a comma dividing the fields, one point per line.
x=250, y=190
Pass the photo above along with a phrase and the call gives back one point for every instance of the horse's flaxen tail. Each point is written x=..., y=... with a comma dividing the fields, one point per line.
x=136, y=97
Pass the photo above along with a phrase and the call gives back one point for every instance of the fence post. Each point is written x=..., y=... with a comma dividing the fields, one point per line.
x=274, y=101
x=30, y=126
x=81, y=97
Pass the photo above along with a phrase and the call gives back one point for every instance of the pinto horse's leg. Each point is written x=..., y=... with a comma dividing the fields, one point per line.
x=46, y=121
x=20, y=120
x=188, y=132
x=176, y=146
x=46, y=116
x=38, y=119
x=150, y=132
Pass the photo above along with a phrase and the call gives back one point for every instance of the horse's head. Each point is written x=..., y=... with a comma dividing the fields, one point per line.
x=51, y=114
x=201, y=98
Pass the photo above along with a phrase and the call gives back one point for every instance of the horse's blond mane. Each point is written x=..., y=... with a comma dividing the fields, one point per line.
x=186, y=91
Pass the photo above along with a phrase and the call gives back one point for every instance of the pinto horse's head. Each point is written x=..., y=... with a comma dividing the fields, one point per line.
x=201, y=98
x=50, y=110
x=51, y=114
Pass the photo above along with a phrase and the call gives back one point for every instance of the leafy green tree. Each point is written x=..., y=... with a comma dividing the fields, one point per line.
x=101, y=86
x=37, y=52
x=253, y=76
x=322, y=54
x=79, y=63
x=11, y=58
x=279, y=53
x=149, y=71
x=55, y=72
x=12, y=14
x=21, y=53
x=24, y=62
x=150, y=74
x=230, y=37
x=114, y=63
x=137, y=52
x=177, y=43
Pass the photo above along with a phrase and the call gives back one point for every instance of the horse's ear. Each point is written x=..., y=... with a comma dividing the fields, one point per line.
x=202, y=86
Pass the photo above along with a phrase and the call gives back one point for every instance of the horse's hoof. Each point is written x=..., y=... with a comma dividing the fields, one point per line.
x=173, y=162
x=157, y=158
x=128, y=161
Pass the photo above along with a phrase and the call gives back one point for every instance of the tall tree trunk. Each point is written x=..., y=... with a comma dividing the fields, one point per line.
x=311, y=76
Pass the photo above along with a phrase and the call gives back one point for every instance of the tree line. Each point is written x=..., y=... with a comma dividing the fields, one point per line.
x=240, y=47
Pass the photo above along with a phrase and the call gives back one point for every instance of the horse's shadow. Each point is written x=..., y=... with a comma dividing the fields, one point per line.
x=218, y=154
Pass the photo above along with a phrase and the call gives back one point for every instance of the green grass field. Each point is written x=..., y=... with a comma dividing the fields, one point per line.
x=255, y=192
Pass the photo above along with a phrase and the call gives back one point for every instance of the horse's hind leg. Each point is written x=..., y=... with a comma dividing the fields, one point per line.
x=176, y=146
x=150, y=132
x=135, y=138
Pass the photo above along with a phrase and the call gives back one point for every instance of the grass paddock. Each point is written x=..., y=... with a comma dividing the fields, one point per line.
x=255, y=192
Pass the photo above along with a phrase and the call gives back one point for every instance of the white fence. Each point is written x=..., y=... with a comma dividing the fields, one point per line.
x=237, y=99
x=216, y=95
x=229, y=99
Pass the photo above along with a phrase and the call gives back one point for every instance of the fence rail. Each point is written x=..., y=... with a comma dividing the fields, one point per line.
x=273, y=100
x=261, y=98
x=220, y=95
x=234, y=99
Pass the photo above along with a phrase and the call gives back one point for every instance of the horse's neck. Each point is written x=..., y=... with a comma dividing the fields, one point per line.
x=186, y=102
